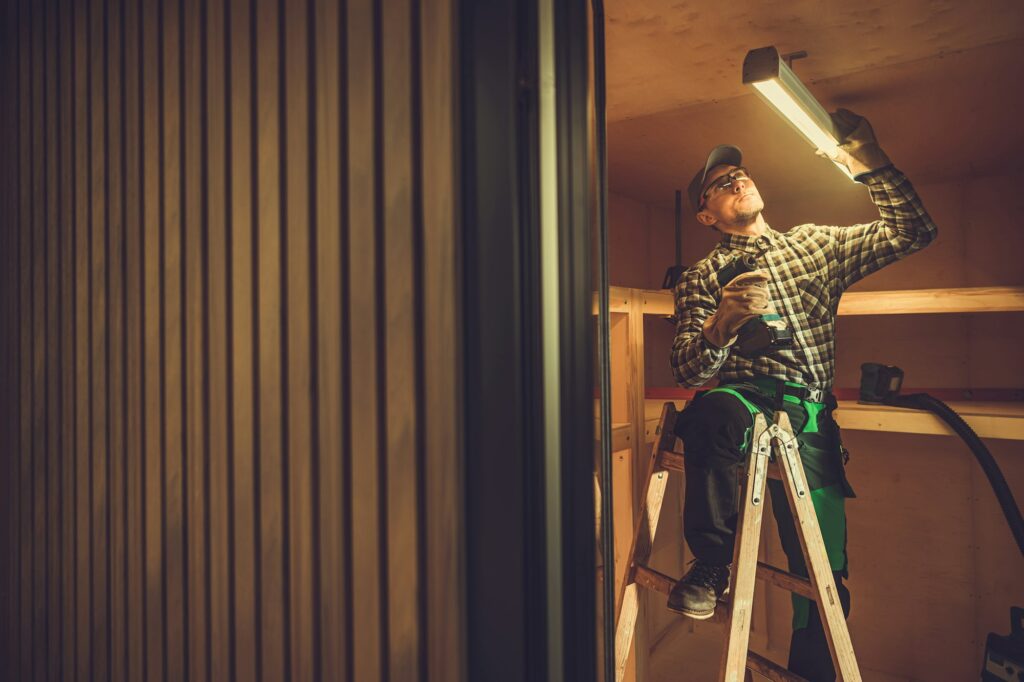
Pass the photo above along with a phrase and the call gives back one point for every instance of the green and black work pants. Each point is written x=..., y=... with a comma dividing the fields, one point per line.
x=716, y=429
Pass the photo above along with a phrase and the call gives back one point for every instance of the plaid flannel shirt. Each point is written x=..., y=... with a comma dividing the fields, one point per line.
x=809, y=268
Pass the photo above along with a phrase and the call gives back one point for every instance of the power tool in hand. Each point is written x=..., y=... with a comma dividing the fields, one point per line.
x=761, y=334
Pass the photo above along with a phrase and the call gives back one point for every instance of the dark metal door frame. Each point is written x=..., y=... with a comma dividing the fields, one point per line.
x=511, y=514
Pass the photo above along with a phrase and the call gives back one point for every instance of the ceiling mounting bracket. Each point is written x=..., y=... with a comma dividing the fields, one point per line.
x=790, y=57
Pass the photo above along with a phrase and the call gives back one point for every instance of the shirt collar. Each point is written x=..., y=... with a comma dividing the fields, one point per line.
x=745, y=242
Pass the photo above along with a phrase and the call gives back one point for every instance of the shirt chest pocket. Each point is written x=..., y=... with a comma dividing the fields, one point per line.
x=815, y=298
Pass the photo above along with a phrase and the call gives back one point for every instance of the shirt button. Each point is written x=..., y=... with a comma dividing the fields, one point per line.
x=762, y=241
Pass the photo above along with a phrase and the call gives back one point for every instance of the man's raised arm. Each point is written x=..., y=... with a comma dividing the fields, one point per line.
x=904, y=225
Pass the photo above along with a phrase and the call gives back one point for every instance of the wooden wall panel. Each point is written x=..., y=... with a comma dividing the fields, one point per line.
x=117, y=413
x=401, y=371
x=362, y=279
x=241, y=52
x=439, y=419
x=297, y=355
x=195, y=407
x=52, y=423
x=133, y=264
x=37, y=245
x=82, y=559
x=217, y=483
x=8, y=299
x=230, y=327
x=65, y=230
x=152, y=424
x=172, y=340
x=26, y=304
x=332, y=597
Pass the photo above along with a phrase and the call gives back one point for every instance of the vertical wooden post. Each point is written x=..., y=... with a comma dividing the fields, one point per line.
x=826, y=596
x=748, y=539
x=635, y=410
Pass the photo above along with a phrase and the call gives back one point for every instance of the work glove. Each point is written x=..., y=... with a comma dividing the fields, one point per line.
x=858, y=149
x=743, y=299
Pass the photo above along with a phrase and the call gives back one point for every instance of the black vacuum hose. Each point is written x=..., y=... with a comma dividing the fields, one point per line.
x=923, y=401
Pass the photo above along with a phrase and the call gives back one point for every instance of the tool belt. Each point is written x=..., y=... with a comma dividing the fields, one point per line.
x=770, y=386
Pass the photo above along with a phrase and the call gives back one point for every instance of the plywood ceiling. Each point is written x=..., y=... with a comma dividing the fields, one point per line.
x=668, y=54
x=941, y=81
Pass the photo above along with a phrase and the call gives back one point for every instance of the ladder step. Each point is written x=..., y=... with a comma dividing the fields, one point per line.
x=668, y=459
x=653, y=580
x=761, y=665
x=786, y=580
x=659, y=582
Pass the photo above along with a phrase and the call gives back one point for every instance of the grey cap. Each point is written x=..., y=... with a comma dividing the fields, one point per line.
x=723, y=154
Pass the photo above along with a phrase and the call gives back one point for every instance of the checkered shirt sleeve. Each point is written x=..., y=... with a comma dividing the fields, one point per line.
x=903, y=228
x=694, y=360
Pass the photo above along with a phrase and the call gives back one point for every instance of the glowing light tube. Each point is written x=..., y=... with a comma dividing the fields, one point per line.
x=778, y=85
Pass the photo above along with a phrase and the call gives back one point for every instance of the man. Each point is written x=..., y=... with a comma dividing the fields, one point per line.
x=800, y=276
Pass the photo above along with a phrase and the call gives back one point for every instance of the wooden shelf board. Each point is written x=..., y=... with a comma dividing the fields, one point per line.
x=909, y=302
x=1000, y=420
x=658, y=302
x=618, y=300
x=924, y=301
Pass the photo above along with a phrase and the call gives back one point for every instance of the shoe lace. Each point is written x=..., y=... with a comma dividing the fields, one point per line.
x=705, y=574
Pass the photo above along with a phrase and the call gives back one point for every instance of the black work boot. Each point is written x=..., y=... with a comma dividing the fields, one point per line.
x=697, y=592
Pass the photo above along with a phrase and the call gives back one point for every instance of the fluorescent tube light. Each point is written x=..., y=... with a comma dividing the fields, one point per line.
x=776, y=83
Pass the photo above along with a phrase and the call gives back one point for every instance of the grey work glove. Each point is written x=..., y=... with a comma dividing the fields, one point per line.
x=858, y=148
x=743, y=299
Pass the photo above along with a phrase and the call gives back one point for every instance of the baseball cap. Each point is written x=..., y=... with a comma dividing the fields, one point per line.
x=723, y=154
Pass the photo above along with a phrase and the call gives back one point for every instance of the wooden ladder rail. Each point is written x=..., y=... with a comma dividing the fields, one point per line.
x=776, y=439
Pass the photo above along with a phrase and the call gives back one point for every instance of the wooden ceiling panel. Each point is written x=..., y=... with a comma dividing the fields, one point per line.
x=670, y=54
x=940, y=118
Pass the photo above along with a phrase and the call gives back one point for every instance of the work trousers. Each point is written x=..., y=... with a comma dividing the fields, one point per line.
x=716, y=428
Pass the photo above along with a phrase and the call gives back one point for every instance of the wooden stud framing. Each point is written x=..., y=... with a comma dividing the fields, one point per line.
x=915, y=301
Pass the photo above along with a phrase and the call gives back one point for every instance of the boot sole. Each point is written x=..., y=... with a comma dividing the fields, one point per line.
x=696, y=615
x=699, y=615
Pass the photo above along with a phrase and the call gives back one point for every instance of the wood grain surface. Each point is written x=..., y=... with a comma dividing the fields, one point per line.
x=230, y=444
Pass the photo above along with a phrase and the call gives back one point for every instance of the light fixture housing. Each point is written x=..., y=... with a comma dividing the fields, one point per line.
x=773, y=80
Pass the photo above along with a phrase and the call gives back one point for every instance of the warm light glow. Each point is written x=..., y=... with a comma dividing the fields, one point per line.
x=784, y=103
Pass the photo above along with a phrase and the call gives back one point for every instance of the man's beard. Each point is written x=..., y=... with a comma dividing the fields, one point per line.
x=744, y=218
x=747, y=217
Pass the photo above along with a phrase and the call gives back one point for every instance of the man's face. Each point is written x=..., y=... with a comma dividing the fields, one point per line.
x=730, y=198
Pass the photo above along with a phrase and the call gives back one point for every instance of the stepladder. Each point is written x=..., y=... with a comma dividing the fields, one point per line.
x=774, y=453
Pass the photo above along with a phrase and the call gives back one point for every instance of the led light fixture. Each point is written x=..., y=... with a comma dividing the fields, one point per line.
x=776, y=83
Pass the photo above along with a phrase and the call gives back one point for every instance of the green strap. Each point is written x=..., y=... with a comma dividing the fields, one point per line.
x=813, y=410
x=754, y=411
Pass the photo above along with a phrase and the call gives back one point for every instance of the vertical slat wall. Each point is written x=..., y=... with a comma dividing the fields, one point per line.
x=229, y=341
